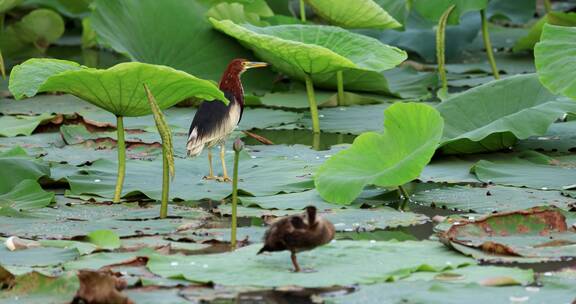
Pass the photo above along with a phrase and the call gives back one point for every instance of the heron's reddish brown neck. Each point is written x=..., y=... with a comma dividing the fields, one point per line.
x=231, y=84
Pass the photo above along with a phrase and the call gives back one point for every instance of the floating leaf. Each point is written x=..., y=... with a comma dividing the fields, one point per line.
x=26, y=195
x=339, y=263
x=22, y=125
x=35, y=288
x=493, y=116
x=354, y=14
x=117, y=89
x=539, y=233
x=105, y=239
x=492, y=198
x=411, y=134
x=526, y=173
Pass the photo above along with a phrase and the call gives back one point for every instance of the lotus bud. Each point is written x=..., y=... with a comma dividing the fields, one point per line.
x=238, y=145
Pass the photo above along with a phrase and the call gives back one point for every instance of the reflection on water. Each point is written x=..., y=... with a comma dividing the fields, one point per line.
x=322, y=141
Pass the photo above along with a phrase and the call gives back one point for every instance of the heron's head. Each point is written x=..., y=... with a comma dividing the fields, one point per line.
x=239, y=66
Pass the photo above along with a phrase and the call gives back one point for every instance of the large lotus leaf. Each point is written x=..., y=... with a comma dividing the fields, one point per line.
x=6, y=5
x=449, y=293
x=493, y=116
x=339, y=263
x=556, y=18
x=22, y=125
x=483, y=275
x=540, y=233
x=517, y=12
x=18, y=166
x=118, y=90
x=411, y=134
x=36, y=288
x=70, y=8
x=419, y=36
x=258, y=176
x=354, y=14
x=41, y=27
x=313, y=49
x=26, y=195
x=520, y=172
x=491, y=198
x=554, y=57
x=398, y=9
x=180, y=37
x=433, y=10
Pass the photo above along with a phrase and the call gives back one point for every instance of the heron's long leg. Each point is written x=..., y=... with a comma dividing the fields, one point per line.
x=225, y=176
x=211, y=174
x=295, y=262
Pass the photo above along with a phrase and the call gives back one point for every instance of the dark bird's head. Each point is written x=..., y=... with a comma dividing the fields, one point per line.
x=230, y=82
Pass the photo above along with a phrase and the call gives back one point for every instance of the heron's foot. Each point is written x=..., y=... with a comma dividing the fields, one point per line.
x=308, y=270
x=223, y=179
x=210, y=177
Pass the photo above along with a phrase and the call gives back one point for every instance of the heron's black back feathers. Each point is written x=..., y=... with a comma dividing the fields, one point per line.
x=212, y=123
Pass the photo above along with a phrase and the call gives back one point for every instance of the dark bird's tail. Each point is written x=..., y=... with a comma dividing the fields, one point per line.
x=263, y=249
x=311, y=214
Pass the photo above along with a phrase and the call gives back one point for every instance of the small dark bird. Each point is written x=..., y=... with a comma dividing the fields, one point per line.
x=298, y=233
x=214, y=120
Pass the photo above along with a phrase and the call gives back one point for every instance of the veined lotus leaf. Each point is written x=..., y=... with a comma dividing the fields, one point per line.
x=411, y=135
x=117, y=89
x=432, y=10
x=339, y=263
x=354, y=14
x=313, y=49
x=555, y=59
x=22, y=125
x=539, y=233
x=179, y=37
x=494, y=115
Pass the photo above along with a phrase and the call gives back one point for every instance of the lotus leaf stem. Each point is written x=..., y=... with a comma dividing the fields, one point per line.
x=405, y=197
x=488, y=44
x=312, y=102
x=2, y=69
x=165, y=183
x=121, y=146
x=340, y=83
x=302, y=11
x=440, y=48
x=234, y=199
x=316, y=141
x=547, y=6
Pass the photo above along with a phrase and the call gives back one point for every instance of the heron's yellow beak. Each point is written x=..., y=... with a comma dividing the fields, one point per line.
x=252, y=64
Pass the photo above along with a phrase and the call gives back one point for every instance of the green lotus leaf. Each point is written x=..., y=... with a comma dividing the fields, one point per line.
x=26, y=195
x=433, y=10
x=117, y=89
x=41, y=27
x=17, y=166
x=6, y=5
x=495, y=115
x=354, y=14
x=69, y=8
x=313, y=49
x=340, y=263
x=411, y=135
x=555, y=57
x=556, y=18
x=179, y=37
x=105, y=239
